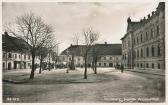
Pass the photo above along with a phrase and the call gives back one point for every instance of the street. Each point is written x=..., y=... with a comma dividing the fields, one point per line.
x=109, y=85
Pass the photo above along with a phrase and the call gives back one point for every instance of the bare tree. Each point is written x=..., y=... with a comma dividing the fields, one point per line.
x=90, y=37
x=35, y=32
x=42, y=53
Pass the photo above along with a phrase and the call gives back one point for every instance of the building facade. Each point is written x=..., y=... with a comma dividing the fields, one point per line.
x=15, y=54
x=143, y=46
x=108, y=55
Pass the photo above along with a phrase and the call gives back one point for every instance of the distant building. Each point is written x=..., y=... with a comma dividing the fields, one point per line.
x=108, y=55
x=143, y=46
x=15, y=53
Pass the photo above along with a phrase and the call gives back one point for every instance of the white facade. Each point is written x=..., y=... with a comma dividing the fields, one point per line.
x=109, y=61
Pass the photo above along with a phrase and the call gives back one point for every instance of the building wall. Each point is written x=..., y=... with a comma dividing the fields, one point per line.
x=109, y=61
x=151, y=43
x=148, y=43
x=14, y=60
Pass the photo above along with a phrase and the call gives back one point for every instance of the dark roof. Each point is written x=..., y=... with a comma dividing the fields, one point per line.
x=108, y=49
x=100, y=49
x=74, y=49
x=10, y=43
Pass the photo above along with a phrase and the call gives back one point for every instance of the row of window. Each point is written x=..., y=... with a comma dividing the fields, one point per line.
x=108, y=64
x=148, y=35
x=141, y=65
x=140, y=52
x=142, y=38
x=111, y=58
x=9, y=55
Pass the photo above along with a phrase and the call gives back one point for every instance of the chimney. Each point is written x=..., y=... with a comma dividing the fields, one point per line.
x=105, y=42
x=128, y=20
x=5, y=33
x=144, y=19
x=148, y=16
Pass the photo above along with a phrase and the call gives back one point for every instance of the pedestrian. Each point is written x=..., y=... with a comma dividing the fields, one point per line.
x=122, y=68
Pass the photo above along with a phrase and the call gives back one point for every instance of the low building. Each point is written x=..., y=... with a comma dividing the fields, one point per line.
x=15, y=53
x=108, y=55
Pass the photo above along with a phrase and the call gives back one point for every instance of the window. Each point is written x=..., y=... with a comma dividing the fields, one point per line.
x=78, y=59
x=15, y=55
x=99, y=64
x=4, y=55
x=3, y=65
x=104, y=64
x=152, y=65
x=158, y=50
x=24, y=56
x=9, y=55
x=158, y=29
x=134, y=41
x=158, y=65
x=29, y=57
x=137, y=53
x=104, y=58
x=116, y=58
x=141, y=53
x=137, y=40
x=147, y=65
x=69, y=58
x=111, y=58
x=146, y=36
x=152, y=33
x=141, y=65
x=147, y=51
x=152, y=48
x=141, y=38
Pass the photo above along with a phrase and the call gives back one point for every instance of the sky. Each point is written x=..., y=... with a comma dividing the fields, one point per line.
x=70, y=18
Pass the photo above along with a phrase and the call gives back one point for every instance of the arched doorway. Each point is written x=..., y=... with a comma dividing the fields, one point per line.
x=110, y=64
x=9, y=66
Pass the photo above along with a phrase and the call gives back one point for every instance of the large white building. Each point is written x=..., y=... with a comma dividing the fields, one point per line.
x=143, y=46
x=108, y=55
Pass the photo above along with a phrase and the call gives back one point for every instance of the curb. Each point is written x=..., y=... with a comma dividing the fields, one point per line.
x=14, y=82
x=145, y=72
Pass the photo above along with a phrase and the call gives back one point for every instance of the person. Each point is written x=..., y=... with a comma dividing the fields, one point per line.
x=122, y=68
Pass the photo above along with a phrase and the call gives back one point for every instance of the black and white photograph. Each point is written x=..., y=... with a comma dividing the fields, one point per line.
x=83, y=51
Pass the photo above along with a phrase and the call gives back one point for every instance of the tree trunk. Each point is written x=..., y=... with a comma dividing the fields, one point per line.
x=85, y=73
x=40, y=65
x=33, y=66
x=93, y=65
x=95, y=69
x=49, y=62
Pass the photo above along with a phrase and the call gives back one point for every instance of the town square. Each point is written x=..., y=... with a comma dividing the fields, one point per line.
x=83, y=52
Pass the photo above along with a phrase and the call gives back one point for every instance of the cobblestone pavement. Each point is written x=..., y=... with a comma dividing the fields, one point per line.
x=107, y=86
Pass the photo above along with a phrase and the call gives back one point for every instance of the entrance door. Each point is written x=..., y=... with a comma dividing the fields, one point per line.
x=9, y=66
x=110, y=64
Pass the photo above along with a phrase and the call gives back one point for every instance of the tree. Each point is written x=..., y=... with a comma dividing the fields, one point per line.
x=90, y=37
x=42, y=53
x=35, y=32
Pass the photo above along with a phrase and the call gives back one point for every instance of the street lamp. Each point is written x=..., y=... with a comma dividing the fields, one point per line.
x=67, y=61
